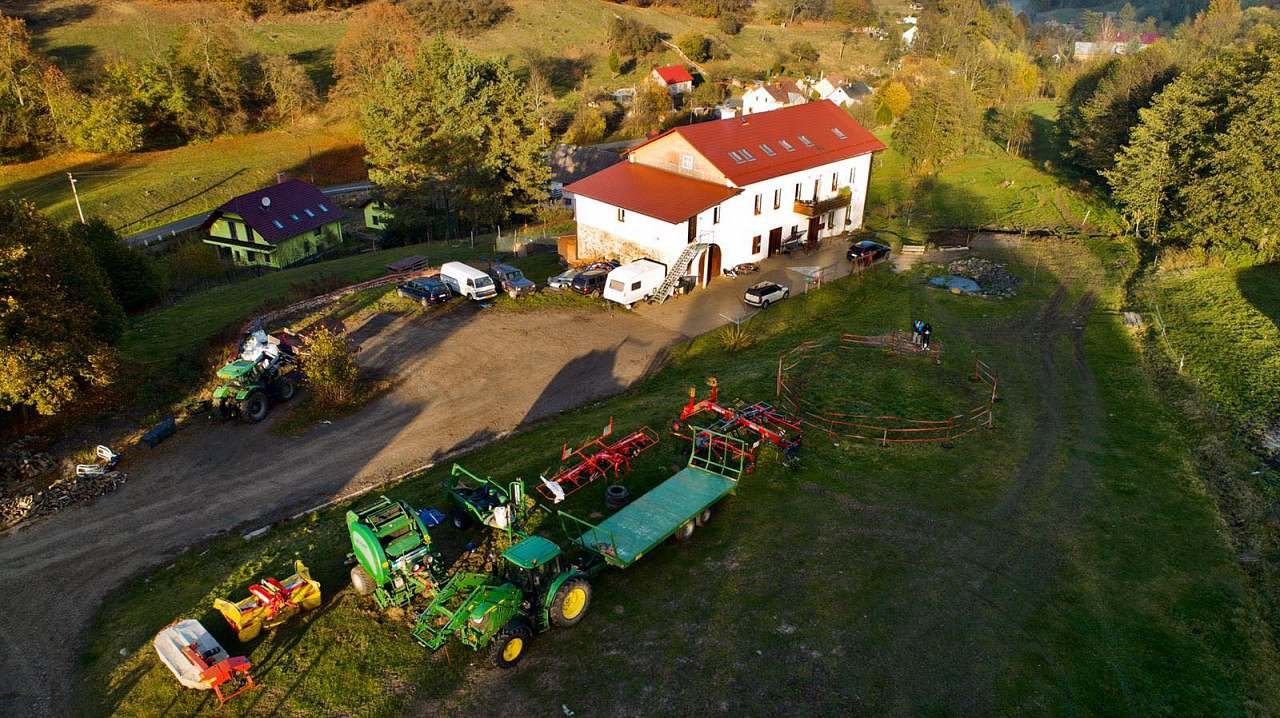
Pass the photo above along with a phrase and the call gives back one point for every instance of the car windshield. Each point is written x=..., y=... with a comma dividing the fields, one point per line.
x=484, y=282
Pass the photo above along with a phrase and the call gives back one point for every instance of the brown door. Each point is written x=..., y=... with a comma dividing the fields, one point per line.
x=693, y=228
x=709, y=267
x=815, y=225
x=775, y=240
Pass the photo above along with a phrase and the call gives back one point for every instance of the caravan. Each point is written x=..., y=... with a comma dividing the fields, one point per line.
x=468, y=281
x=634, y=281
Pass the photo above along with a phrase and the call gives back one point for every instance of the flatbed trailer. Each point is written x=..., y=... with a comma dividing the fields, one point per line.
x=672, y=508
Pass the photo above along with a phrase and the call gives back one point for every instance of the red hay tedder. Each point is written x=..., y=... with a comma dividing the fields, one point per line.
x=757, y=423
x=595, y=459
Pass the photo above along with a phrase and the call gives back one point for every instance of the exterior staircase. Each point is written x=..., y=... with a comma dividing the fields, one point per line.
x=677, y=270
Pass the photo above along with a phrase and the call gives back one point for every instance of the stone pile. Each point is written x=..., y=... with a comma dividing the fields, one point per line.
x=992, y=278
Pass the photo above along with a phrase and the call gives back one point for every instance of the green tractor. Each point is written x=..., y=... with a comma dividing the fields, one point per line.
x=501, y=613
x=392, y=550
x=263, y=374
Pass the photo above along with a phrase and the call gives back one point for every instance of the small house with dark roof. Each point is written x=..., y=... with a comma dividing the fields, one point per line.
x=276, y=226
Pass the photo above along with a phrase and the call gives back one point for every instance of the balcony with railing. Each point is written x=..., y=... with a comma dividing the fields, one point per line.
x=811, y=208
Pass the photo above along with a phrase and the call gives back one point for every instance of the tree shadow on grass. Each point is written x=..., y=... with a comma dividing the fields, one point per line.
x=335, y=165
x=1260, y=285
x=318, y=63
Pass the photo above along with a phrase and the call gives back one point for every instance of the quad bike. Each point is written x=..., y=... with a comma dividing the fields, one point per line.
x=265, y=372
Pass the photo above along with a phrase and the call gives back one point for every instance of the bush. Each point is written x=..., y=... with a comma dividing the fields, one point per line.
x=134, y=277
x=193, y=265
x=331, y=369
x=460, y=16
x=804, y=51
x=735, y=338
x=631, y=37
x=695, y=46
x=588, y=126
x=729, y=24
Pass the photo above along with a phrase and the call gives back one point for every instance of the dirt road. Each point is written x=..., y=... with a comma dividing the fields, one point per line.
x=462, y=379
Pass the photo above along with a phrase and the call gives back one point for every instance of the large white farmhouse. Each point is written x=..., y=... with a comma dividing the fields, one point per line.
x=702, y=197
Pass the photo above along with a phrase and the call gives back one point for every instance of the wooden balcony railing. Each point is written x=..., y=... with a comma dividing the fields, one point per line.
x=809, y=208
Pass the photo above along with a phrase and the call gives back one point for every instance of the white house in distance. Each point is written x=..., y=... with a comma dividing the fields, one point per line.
x=702, y=197
x=840, y=91
x=675, y=78
x=783, y=92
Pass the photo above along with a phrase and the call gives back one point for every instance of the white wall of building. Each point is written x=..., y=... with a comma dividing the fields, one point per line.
x=739, y=224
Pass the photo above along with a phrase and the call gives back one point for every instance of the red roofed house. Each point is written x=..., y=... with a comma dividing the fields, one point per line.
x=277, y=226
x=698, y=198
x=673, y=77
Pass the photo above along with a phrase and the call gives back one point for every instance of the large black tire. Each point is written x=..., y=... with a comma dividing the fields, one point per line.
x=616, y=496
x=510, y=645
x=570, y=603
x=254, y=407
x=764, y=304
x=361, y=581
x=283, y=388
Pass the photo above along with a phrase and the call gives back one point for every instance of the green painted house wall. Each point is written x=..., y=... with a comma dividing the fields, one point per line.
x=377, y=214
x=237, y=242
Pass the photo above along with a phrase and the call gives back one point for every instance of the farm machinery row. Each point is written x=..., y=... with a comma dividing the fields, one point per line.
x=535, y=583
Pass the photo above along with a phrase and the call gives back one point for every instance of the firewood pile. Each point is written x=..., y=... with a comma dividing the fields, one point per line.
x=33, y=485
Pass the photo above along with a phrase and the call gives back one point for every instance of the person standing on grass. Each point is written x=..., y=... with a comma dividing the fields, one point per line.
x=926, y=335
x=917, y=329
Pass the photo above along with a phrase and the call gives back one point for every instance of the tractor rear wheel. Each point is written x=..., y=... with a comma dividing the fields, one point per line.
x=510, y=644
x=685, y=532
x=254, y=407
x=361, y=581
x=571, y=602
x=283, y=388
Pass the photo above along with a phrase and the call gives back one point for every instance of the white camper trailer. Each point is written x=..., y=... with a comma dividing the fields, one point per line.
x=633, y=281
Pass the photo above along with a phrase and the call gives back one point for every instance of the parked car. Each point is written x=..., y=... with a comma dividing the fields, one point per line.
x=467, y=281
x=762, y=294
x=563, y=280
x=512, y=280
x=867, y=251
x=429, y=291
x=590, y=282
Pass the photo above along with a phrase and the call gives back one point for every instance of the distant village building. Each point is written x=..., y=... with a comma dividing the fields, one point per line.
x=782, y=92
x=376, y=213
x=277, y=226
x=675, y=78
x=570, y=163
x=699, y=198
x=840, y=90
x=1121, y=43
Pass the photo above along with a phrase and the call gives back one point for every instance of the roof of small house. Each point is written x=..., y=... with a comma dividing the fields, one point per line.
x=797, y=137
x=570, y=163
x=646, y=190
x=282, y=210
x=673, y=74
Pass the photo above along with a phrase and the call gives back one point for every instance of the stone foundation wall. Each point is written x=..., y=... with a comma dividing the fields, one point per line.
x=597, y=244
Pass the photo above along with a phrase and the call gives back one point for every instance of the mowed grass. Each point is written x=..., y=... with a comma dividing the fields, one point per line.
x=1223, y=325
x=867, y=579
x=135, y=192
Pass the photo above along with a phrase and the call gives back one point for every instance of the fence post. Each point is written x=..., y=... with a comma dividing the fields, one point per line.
x=777, y=390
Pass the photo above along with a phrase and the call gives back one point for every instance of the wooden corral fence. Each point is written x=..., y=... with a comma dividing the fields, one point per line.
x=884, y=430
x=895, y=342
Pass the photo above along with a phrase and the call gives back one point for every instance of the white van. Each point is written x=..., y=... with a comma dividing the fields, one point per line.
x=467, y=280
x=634, y=281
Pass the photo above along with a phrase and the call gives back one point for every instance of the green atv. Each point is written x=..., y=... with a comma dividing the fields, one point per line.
x=250, y=386
x=502, y=612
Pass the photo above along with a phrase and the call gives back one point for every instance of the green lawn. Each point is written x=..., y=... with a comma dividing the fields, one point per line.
x=1064, y=563
x=1224, y=324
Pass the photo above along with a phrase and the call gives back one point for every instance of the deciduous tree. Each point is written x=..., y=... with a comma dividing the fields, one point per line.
x=377, y=34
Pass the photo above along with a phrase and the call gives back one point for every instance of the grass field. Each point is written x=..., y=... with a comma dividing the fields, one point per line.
x=1064, y=563
x=1225, y=324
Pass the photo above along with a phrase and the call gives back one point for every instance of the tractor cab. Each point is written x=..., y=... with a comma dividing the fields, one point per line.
x=236, y=370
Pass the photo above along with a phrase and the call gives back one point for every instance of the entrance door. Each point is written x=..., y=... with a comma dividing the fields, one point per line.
x=815, y=225
x=709, y=267
x=693, y=228
x=775, y=240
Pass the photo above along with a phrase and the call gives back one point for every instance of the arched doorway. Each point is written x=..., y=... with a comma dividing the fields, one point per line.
x=709, y=267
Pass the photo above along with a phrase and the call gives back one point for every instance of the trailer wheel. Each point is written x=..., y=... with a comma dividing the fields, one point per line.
x=510, y=644
x=703, y=517
x=254, y=407
x=283, y=388
x=685, y=532
x=571, y=602
x=361, y=581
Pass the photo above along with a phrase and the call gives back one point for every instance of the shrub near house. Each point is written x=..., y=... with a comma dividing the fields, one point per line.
x=280, y=225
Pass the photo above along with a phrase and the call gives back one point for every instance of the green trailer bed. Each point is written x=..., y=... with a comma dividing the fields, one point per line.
x=622, y=539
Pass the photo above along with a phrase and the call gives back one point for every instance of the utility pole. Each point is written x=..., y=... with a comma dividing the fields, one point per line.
x=76, y=194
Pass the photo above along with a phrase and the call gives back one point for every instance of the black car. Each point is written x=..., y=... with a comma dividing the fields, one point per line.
x=427, y=290
x=590, y=282
x=867, y=251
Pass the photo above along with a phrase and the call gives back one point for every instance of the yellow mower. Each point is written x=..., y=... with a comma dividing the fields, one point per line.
x=270, y=603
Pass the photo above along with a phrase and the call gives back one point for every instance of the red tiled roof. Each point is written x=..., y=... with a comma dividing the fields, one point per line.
x=652, y=192
x=673, y=74
x=814, y=121
x=292, y=207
